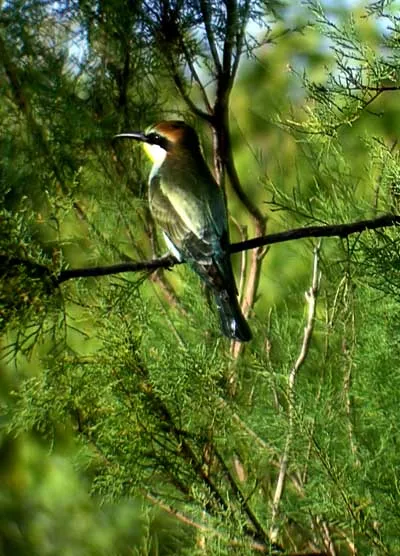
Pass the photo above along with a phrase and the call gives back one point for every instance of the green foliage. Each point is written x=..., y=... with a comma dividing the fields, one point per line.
x=128, y=424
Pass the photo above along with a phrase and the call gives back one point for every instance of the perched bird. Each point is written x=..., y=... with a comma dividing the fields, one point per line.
x=189, y=206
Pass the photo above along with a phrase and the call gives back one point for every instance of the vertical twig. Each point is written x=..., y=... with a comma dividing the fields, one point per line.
x=348, y=352
x=243, y=236
x=205, y=11
x=380, y=178
x=235, y=348
x=330, y=317
x=327, y=539
x=311, y=299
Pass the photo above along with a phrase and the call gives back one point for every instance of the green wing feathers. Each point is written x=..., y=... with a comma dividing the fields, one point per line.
x=195, y=222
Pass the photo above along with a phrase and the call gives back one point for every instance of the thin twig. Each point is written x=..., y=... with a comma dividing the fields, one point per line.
x=236, y=346
x=186, y=97
x=311, y=299
x=328, y=539
x=240, y=34
x=256, y=546
x=243, y=235
x=242, y=500
x=130, y=266
x=204, y=6
x=258, y=441
x=190, y=62
x=348, y=352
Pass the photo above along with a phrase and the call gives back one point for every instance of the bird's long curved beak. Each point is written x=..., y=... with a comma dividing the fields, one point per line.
x=138, y=135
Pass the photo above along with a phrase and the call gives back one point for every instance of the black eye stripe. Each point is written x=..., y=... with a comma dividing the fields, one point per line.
x=157, y=139
x=154, y=137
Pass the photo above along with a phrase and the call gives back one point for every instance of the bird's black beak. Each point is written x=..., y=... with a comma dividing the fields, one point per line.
x=138, y=135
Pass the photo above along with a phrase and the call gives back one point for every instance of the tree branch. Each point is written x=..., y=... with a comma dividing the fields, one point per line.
x=240, y=35
x=230, y=29
x=190, y=62
x=130, y=266
x=205, y=10
x=339, y=230
x=186, y=97
x=331, y=230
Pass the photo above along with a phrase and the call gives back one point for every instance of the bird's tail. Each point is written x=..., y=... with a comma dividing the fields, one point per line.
x=233, y=323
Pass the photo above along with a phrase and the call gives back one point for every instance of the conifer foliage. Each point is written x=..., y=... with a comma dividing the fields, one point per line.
x=129, y=426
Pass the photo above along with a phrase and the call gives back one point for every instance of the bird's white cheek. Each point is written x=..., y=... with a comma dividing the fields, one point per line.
x=156, y=153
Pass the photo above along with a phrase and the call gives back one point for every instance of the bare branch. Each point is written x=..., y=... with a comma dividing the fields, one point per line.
x=186, y=97
x=338, y=230
x=163, y=262
x=204, y=6
x=231, y=26
x=240, y=34
x=196, y=77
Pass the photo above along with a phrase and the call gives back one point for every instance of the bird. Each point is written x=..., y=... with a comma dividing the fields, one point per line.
x=189, y=207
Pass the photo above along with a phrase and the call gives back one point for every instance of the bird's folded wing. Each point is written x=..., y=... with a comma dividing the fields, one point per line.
x=180, y=219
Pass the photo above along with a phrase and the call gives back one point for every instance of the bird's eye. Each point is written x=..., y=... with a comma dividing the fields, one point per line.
x=155, y=138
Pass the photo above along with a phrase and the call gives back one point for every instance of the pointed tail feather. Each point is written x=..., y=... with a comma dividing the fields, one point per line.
x=233, y=323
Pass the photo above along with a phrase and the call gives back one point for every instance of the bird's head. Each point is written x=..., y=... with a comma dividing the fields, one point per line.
x=169, y=137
